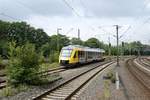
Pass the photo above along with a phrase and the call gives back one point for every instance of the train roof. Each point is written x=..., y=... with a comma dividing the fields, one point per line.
x=84, y=48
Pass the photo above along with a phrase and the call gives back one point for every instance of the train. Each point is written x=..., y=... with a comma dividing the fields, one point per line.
x=76, y=54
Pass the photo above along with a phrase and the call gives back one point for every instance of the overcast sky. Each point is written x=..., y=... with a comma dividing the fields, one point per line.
x=94, y=18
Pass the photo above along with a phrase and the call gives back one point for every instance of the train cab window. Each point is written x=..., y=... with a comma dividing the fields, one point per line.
x=66, y=52
x=75, y=55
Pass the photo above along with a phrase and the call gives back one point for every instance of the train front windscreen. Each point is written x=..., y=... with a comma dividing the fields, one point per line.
x=65, y=56
x=66, y=53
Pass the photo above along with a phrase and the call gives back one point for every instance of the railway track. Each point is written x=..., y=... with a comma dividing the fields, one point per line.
x=144, y=62
x=52, y=71
x=139, y=71
x=44, y=73
x=68, y=89
x=2, y=84
x=2, y=81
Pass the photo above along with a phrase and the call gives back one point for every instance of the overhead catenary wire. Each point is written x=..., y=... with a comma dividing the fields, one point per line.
x=124, y=33
x=8, y=16
x=69, y=31
x=19, y=2
x=146, y=21
x=136, y=19
x=24, y=5
x=75, y=12
x=78, y=14
x=83, y=5
x=127, y=29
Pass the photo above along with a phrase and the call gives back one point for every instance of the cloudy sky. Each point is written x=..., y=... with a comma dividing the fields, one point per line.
x=94, y=18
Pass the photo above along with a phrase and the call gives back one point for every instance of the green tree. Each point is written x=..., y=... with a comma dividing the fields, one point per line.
x=46, y=49
x=21, y=32
x=4, y=48
x=59, y=41
x=76, y=41
x=94, y=43
x=40, y=38
x=4, y=27
x=23, y=64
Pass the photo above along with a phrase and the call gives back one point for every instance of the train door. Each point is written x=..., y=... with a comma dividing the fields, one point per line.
x=81, y=55
x=75, y=57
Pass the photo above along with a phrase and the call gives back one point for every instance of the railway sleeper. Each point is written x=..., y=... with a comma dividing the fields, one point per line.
x=54, y=97
x=59, y=95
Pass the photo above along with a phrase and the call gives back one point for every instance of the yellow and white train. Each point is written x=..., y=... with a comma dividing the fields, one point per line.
x=76, y=54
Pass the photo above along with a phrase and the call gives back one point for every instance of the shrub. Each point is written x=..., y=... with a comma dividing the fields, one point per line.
x=23, y=65
x=110, y=75
x=2, y=64
x=41, y=58
x=0, y=60
x=3, y=48
x=53, y=57
x=113, y=78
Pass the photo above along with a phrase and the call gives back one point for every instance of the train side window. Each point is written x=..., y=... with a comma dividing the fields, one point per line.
x=83, y=54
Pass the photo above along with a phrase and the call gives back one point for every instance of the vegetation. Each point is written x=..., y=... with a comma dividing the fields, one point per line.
x=9, y=91
x=108, y=79
x=110, y=76
x=2, y=64
x=6, y=91
x=77, y=41
x=94, y=43
x=23, y=64
x=107, y=92
x=0, y=60
x=46, y=66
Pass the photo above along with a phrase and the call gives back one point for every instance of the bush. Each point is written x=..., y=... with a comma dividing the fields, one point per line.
x=0, y=60
x=23, y=65
x=53, y=57
x=113, y=79
x=3, y=48
x=111, y=76
x=2, y=65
